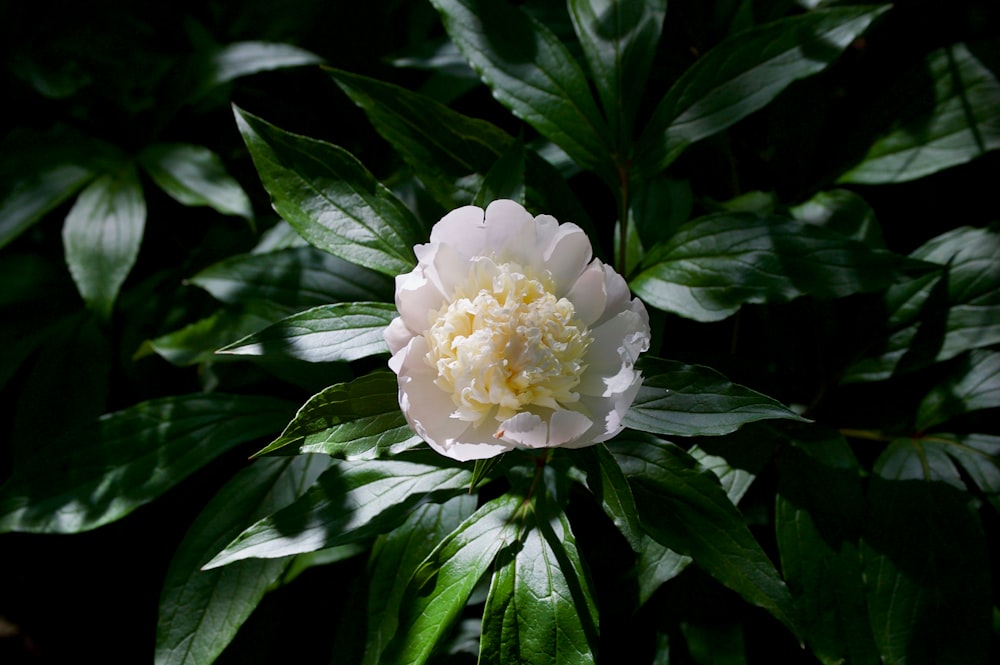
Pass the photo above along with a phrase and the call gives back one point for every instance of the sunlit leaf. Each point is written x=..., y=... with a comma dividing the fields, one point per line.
x=231, y=61
x=130, y=458
x=342, y=331
x=530, y=71
x=102, y=234
x=715, y=264
x=197, y=342
x=743, y=74
x=683, y=507
x=351, y=501
x=689, y=400
x=939, y=315
x=619, y=41
x=442, y=584
x=540, y=608
x=962, y=123
x=331, y=199
x=845, y=212
x=201, y=611
x=396, y=556
x=195, y=176
x=295, y=277
x=356, y=420
x=973, y=384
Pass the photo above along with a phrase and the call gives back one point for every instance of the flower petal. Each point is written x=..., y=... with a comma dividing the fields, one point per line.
x=588, y=294
x=397, y=335
x=464, y=229
x=566, y=256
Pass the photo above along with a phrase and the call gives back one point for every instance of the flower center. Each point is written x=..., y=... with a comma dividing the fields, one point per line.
x=505, y=342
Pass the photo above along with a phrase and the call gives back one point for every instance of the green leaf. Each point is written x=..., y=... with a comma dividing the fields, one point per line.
x=845, y=212
x=939, y=315
x=690, y=400
x=619, y=41
x=743, y=74
x=201, y=611
x=540, y=608
x=38, y=171
x=531, y=73
x=442, y=584
x=451, y=152
x=505, y=180
x=683, y=507
x=657, y=564
x=226, y=63
x=197, y=342
x=926, y=569
x=818, y=520
x=352, y=501
x=396, y=556
x=342, y=331
x=331, y=199
x=102, y=235
x=973, y=384
x=976, y=453
x=130, y=458
x=356, y=420
x=962, y=123
x=195, y=176
x=296, y=277
x=607, y=482
x=715, y=264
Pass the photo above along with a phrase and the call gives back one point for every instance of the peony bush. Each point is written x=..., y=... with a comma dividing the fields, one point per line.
x=550, y=333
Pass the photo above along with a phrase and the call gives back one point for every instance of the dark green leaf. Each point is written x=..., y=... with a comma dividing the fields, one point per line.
x=197, y=342
x=397, y=555
x=102, y=235
x=331, y=199
x=226, y=63
x=939, y=315
x=352, y=501
x=201, y=611
x=531, y=72
x=715, y=264
x=684, y=508
x=606, y=480
x=540, y=608
x=342, y=331
x=926, y=569
x=442, y=584
x=38, y=172
x=743, y=74
x=295, y=277
x=845, y=212
x=356, y=420
x=195, y=176
x=963, y=123
x=451, y=152
x=505, y=180
x=972, y=385
x=659, y=206
x=927, y=458
x=715, y=642
x=818, y=521
x=130, y=458
x=690, y=400
x=619, y=40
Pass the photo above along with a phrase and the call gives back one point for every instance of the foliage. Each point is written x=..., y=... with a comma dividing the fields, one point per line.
x=809, y=472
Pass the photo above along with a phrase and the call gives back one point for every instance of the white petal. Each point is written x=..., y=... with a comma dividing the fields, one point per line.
x=607, y=414
x=566, y=427
x=618, y=297
x=397, y=335
x=417, y=297
x=510, y=229
x=464, y=229
x=526, y=430
x=566, y=256
x=616, y=345
x=588, y=294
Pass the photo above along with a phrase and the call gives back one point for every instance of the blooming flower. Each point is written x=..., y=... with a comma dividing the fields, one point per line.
x=510, y=336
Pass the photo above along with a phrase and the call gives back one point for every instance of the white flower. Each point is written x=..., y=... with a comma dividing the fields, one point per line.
x=510, y=336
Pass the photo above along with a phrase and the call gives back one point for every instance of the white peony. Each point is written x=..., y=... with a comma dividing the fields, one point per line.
x=510, y=336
